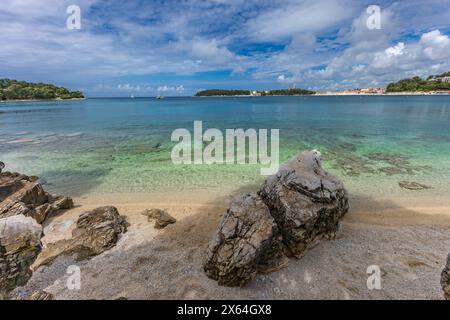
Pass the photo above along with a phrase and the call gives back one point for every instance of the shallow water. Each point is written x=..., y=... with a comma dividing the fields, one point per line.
x=123, y=145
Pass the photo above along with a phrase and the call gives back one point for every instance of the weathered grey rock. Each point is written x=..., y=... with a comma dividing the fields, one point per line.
x=445, y=279
x=19, y=247
x=411, y=185
x=40, y=295
x=16, y=209
x=161, y=217
x=305, y=201
x=294, y=209
x=246, y=241
x=96, y=231
x=20, y=194
x=15, y=188
x=61, y=202
x=40, y=213
x=2, y=166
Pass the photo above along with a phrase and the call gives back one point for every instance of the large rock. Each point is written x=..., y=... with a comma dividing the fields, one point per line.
x=20, y=194
x=294, y=209
x=19, y=246
x=246, y=241
x=445, y=279
x=96, y=231
x=305, y=201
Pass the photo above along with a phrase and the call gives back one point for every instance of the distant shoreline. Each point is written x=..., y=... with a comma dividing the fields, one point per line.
x=335, y=94
x=405, y=93
x=40, y=100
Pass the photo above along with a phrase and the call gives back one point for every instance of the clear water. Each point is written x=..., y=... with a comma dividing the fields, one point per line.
x=123, y=145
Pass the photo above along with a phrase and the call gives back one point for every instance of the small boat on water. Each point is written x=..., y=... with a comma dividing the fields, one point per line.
x=159, y=97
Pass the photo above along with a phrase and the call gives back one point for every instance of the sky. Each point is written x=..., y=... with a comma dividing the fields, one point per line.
x=176, y=48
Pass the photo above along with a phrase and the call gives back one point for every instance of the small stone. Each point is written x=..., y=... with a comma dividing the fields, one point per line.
x=41, y=295
x=161, y=217
x=63, y=203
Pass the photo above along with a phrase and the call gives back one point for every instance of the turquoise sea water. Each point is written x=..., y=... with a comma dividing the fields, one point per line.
x=123, y=145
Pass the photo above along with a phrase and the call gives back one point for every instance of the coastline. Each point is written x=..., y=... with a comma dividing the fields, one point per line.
x=336, y=94
x=409, y=93
x=41, y=100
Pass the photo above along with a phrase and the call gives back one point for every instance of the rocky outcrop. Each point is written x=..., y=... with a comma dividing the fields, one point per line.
x=19, y=246
x=21, y=194
x=162, y=218
x=96, y=231
x=2, y=166
x=294, y=209
x=305, y=201
x=246, y=242
x=445, y=279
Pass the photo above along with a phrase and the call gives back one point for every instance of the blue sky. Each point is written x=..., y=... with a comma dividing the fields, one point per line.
x=173, y=48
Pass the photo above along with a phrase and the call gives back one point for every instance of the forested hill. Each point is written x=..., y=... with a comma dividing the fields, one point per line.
x=22, y=90
x=432, y=83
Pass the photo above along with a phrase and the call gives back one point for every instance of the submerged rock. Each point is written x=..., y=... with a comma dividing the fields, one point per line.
x=161, y=217
x=305, y=201
x=411, y=185
x=295, y=209
x=247, y=239
x=445, y=279
x=96, y=231
x=19, y=246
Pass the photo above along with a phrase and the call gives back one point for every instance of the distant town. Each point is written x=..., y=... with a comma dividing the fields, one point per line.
x=433, y=85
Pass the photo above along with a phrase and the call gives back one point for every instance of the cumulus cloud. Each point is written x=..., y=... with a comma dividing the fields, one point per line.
x=166, y=88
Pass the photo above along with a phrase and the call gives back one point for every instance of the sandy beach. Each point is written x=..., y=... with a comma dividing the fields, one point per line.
x=408, y=239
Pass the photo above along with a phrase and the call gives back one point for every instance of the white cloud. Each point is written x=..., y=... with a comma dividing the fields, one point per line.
x=396, y=50
x=165, y=88
x=298, y=17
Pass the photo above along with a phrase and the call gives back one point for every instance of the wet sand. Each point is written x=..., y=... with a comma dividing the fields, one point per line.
x=408, y=238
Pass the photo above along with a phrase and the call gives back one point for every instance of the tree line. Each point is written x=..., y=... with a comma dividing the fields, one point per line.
x=22, y=90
